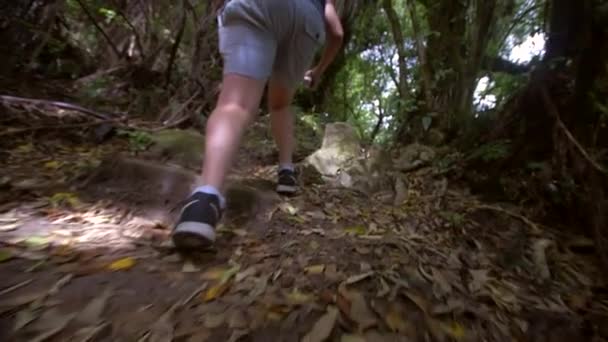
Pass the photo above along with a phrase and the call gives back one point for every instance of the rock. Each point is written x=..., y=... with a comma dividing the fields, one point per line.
x=183, y=147
x=341, y=145
x=413, y=156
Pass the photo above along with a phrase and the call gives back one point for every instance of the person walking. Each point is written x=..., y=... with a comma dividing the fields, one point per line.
x=262, y=42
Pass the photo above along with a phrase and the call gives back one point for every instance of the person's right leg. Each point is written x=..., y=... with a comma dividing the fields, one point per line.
x=236, y=107
x=248, y=50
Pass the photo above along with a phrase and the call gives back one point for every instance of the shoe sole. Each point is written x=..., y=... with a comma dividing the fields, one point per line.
x=287, y=189
x=193, y=235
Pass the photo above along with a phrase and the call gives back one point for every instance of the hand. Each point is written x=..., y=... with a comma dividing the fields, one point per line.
x=312, y=78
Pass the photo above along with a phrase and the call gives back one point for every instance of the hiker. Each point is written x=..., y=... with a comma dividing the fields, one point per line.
x=261, y=41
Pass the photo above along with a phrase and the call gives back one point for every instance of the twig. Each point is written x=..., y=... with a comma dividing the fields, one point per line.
x=103, y=33
x=175, y=47
x=555, y=113
x=15, y=287
x=534, y=226
x=58, y=104
x=51, y=127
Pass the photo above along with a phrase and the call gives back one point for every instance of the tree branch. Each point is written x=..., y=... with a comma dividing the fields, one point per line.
x=59, y=104
x=393, y=19
x=499, y=64
x=103, y=33
x=175, y=47
x=425, y=69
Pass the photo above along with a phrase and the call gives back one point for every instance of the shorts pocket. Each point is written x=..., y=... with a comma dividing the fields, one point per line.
x=315, y=29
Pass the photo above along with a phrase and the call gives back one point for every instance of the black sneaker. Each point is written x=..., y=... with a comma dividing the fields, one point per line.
x=196, y=225
x=288, y=182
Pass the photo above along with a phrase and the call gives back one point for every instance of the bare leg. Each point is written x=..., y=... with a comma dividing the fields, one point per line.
x=282, y=120
x=237, y=104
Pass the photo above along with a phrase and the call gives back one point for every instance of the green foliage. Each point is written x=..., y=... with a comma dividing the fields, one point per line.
x=491, y=151
x=138, y=140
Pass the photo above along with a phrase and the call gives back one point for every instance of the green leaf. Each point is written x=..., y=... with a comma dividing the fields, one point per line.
x=5, y=255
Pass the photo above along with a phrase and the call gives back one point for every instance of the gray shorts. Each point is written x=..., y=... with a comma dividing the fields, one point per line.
x=265, y=39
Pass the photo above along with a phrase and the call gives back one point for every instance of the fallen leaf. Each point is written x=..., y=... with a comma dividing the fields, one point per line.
x=9, y=227
x=441, y=286
x=122, y=264
x=216, y=291
x=454, y=330
x=51, y=323
x=331, y=272
x=5, y=255
x=12, y=288
x=315, y=269
x=540, y=257
x=53, y=164
x=36, y=242
x=314, y=245
x=91, y=314
x=213, y=321
x=162, y=329
x=296, y=297
x=479, y=279
x=357, y=278
x=237, y=335
x=250, y=271
x=87, y=334
x=323, y=327
x=360, y=311
x=237, y=320
x=288, y=208
x=352, y=338
x=23, y=318
x=355, y=230
x=394, y=320
x=18, y=301
x=189, y=267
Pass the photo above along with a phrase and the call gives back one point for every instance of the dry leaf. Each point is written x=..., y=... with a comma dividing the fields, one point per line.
x=331, y=272
x=87, y=334
x=352, y=338
x=213, y=321
x=91, y=314
x=323, y=327
x=5, y=255
x=216, y=291
x=51, y=323
x=358, y=278
x=295, y=297
x=454, y=330
x=394, y=320
x=23, y=318
x=12, y=288
x=237, y=320
x=360, y=311
x=441, y=286
x=356, y=230
x=122, y=264
x=162, y=330
x=315, y=269
x=540, y=257
x=250, y=271
x=479, y=279
x=189, y=267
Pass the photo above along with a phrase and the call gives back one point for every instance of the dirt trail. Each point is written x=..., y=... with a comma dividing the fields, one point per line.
x=88, y=259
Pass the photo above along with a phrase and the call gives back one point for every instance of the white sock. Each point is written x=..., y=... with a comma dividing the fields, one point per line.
x=208, y=189
x=287, y=166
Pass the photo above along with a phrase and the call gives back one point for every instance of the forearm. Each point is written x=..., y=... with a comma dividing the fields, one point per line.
x=335, y=36
x=334, y=43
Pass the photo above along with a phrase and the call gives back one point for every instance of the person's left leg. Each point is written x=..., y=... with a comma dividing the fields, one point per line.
x=280, y=96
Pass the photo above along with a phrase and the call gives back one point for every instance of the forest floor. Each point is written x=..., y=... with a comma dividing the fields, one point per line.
x=89, y=258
